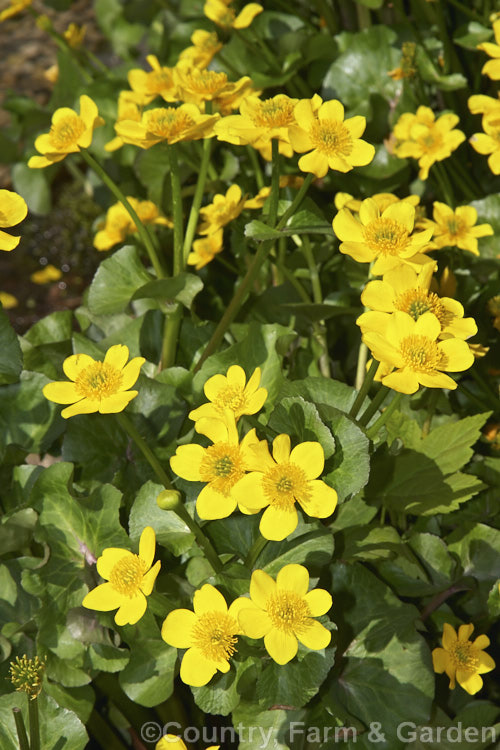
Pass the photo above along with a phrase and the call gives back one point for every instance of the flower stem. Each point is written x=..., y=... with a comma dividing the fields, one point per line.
x=296, y=201
x=143, y=232
x=255, y=551
x=320, y=327
x=377, y=400
x=259, y=178
x=197, y=198
x=177, y=216
x=373, y=431
x=443, y=184
x=129, y=427
x=21, y=729
x=364, y=389
x=34, y=724
x=171, y=328
x=275, y=184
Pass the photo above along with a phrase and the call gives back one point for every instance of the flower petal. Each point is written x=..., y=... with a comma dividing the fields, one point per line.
x=440, y=659
x=130, y=373
x=116, y=402
x=472, y=683
x=465, y=632
x=131, y=610
x=85, y=406
x=177, y=627
x=282, y=647
x=196, y=670
x=321, y=500
x=208, y=599
x=110, y=556
x=294, y=578
x=262, y=587
x=486, y=663
x=310, y=457
x=116, y=356
x=61, y=392
x=319, y=602
x=250, y=493
x=103, y=598
x=148, y=580
x=449, y=637
x=276, y=523
x=147, y=546
x=255, y=623
x=316, y=636
x=187, y=460
x=212, y=504
x=281, y=449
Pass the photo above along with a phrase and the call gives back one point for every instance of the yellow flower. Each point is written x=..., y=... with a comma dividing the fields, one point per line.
x=206, y=44
x=47, y=274
x=13, y=209
x=220, y=13
x=384, y=237
x=427, y=139
x=281, y=481
x=15, y=7
x=118, y=223
x=97, y=386
x=412, y=347
x=209, y=634
x=75, y=35
x=157, y=82
x=332, y=142
x=404, y=290
x=170, y=124
x=457, y=228
x=221, y=466
x=259, y=122
x=492, y=67
x=69, y=133
x=128, y=109
x=222, y=210
x=489, y=141
x=231, y=391
x=283, y=611
x=129, y=580
x=286, y=180
x=8, y=301
x=205, y=249
x=462, y=660
x=383, y=201
x=196, y=86
x=173, y=742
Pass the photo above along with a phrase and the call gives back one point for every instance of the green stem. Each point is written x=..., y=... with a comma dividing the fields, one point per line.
x=361, y=365
x=103, y=733
x=143, y=232
x=467, y=11
x=129, y=427
x=255, y=551
x=296, y=201
x=488, y=393
x=34, y=720
x=21, y=729
x=460, y=177
x=171, y=328
x=177, y=216
x=373, y=431
x=364, y=18
x=472, y=396
x=328, y=14
x=376, y=402
x=320, y=327
x=197, y=198
x=275, y=184
x=259, y=177
x=443, y=184
x=431, y=408
x=364, y=389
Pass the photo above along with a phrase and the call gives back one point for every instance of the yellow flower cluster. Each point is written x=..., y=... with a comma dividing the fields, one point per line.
x=280, y=611
x=488, y=142
x=118, y=223
x=243, y=474
x=416, y=335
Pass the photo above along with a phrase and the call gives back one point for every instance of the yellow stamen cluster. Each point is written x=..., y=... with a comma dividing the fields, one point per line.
x=417, y=301
x=215, y=635
x=222, y=465
x=465, y=656
x=26, y=675
x=98, y=380
x=283, y=483
x=167, y=122
x=274, y=113
x=66, y=132
x=386, y=237
x=331, y=138
x=288, y=612
x=422, y=354
x=127, y=574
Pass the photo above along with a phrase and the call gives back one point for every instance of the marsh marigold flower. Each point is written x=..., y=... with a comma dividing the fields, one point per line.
x=260, y=121
x=68, y=134
x=147, y=85
x=206, y=44
x=280, y=481
x=205, y=249
x=412, y=347
x=128, y=109
x=167, y=124
x=220, y=12
x=231, y=392
x=118, y=223
x=385, y=237
x=197, y=86
x=74, y=35
x=286, y=180
x=488, y=143
x=383, y=201
x=8, y=301
x=129, y=580
x=13, y=209
x=209, y=634
x=46, y=275
x=404, y=290
x=173, y=742
x=332, y=141
x=423, y=137
x=97, y=386
x=15, y=7
x=283, y=611
x=221, y=466
x=462, y=660
x=222, y=210
x=492, y=67
x=482, y=104
x=456, y=228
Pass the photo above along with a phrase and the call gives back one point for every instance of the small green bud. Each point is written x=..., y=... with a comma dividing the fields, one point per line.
x=168, y=499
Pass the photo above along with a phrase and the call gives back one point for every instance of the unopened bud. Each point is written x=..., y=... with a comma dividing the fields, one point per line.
x=168, y=499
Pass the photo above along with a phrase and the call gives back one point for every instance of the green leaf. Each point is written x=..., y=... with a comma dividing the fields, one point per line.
x=298, y=683
x=257, y=230
x=259, y=728
x=107, y=657
x=148, y=678
x=11, y=359
x=170, y=531
x=221, y=695
x=360, y=71
x=16, y=530
x=435, y=558
x=488, y=211
x=477, y=546
x=431, y=74
x=33, y=186
x=362, y=543
x=450, y=444
x=182, y=288
x=476, y=33
x=387, y=673
x=300, y=419
x=27, y=418
x=313, y=549
x=59, y=727
x=116, y=280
